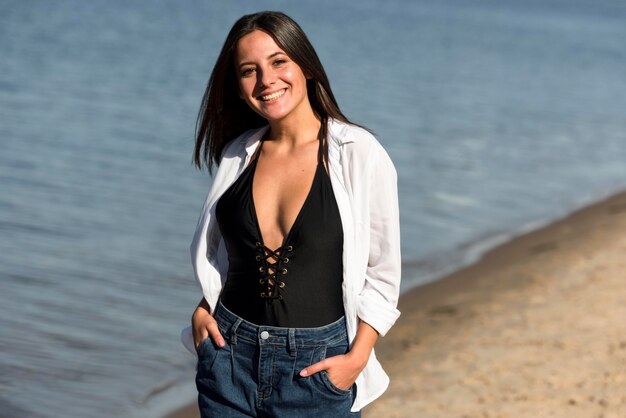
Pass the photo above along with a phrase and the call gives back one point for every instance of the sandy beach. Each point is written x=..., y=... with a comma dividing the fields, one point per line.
x=537, y=328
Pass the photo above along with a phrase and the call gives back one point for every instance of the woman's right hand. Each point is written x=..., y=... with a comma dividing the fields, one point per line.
x=203, y=325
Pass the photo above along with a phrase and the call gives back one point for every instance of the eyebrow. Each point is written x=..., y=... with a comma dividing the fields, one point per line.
x=268, y=57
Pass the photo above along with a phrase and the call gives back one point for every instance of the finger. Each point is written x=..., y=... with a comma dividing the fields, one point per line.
x=215, y=334
x=314, y=368
x=204, y=325
x=199, y=336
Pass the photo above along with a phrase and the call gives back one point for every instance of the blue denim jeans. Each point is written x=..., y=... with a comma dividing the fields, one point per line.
x=256, y=374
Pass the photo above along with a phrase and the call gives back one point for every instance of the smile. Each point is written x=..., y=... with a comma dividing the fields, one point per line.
x=272, y=96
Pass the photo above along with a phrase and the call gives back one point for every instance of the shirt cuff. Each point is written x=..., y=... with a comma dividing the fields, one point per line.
x=376, y=311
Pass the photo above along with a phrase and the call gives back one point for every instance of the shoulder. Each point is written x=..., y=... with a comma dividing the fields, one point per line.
x=236, y=148
x=358, y=144
x=345, y=133
x=235, y=152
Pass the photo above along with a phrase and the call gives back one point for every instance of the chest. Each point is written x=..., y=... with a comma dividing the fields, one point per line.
x=279, y=190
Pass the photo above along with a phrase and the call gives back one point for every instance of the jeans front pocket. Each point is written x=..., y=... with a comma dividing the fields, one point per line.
x=208, y=353
x=333, y=349
x=204, y=346
x=331, y=386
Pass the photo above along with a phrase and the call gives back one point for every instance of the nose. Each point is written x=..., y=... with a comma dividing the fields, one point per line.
x=267, y=77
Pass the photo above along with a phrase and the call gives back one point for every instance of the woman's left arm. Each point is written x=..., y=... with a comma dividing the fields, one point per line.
x=377, y=302
x=378, y=299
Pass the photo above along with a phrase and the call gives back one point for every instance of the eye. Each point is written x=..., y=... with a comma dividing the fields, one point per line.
x=279, y=62
x=246, y=72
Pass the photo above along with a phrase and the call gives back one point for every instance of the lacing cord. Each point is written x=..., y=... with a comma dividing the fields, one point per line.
x=272, y=269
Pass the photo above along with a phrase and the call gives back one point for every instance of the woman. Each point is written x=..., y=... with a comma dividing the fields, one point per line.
x=297, y=248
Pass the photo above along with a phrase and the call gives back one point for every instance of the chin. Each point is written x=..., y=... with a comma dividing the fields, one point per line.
x=273, y=116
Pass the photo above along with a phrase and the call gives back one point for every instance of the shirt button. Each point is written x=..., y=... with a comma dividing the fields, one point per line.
x=265, y=335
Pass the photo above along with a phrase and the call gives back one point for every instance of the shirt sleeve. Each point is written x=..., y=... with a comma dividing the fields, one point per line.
x=377, y=302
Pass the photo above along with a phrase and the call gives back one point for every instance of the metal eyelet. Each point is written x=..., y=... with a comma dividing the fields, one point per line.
x=262, y=281
x=280, y=297
x=261, y=269
x=281, y=285
x=262, y=294
x=258, y=244
x=284, y=271
x=286, y=260
x=289, y=248
x=258, y=258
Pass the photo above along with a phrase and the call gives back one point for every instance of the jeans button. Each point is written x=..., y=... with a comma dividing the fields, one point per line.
x=265, y=335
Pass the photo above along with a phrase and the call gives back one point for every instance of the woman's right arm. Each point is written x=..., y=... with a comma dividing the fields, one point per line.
x=203, y=325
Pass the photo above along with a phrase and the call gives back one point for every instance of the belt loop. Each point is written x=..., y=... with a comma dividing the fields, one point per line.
x=233, y=331
x=292, y=342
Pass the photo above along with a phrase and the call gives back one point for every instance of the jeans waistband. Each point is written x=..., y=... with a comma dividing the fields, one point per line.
x=234, y=327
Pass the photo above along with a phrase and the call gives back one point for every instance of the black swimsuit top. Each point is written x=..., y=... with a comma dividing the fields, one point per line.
x=298, y=284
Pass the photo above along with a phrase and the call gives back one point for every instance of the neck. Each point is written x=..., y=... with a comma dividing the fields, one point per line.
x=296, y=129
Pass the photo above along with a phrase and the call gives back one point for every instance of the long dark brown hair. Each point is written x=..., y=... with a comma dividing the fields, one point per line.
x=224, y=115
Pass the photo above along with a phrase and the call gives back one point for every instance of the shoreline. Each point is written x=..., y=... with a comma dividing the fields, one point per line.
x=452, y=330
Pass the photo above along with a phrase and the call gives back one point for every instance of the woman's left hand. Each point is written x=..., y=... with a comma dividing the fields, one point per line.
x=342, y=370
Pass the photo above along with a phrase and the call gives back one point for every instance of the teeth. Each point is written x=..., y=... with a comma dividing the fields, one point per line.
x=272, y=96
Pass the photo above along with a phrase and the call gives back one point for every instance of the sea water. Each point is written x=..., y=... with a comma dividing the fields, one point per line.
x=499, y=115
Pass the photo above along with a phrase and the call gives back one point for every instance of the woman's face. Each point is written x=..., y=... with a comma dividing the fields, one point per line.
x=269, y=81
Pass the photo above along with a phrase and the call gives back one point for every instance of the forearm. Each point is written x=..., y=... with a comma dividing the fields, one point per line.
x=366, y=337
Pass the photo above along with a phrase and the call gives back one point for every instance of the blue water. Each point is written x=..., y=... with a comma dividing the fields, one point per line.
x=499, y=115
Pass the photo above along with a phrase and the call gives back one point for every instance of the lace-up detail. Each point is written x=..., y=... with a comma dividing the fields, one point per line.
x=272, y=269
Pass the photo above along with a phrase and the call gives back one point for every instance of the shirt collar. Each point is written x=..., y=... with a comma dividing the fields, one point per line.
x=254, y=139
x=338, y=132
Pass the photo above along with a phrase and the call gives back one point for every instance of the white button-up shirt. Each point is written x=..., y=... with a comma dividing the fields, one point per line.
x=364, y=182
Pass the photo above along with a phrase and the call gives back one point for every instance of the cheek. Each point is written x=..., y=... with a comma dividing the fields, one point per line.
x=297, y=79
x=289, y=75
x=246, y=87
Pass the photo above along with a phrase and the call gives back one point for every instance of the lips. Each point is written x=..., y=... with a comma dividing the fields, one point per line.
x=272, y=96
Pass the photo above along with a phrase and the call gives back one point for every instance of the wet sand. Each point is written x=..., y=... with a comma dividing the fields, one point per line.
x=537, y=328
